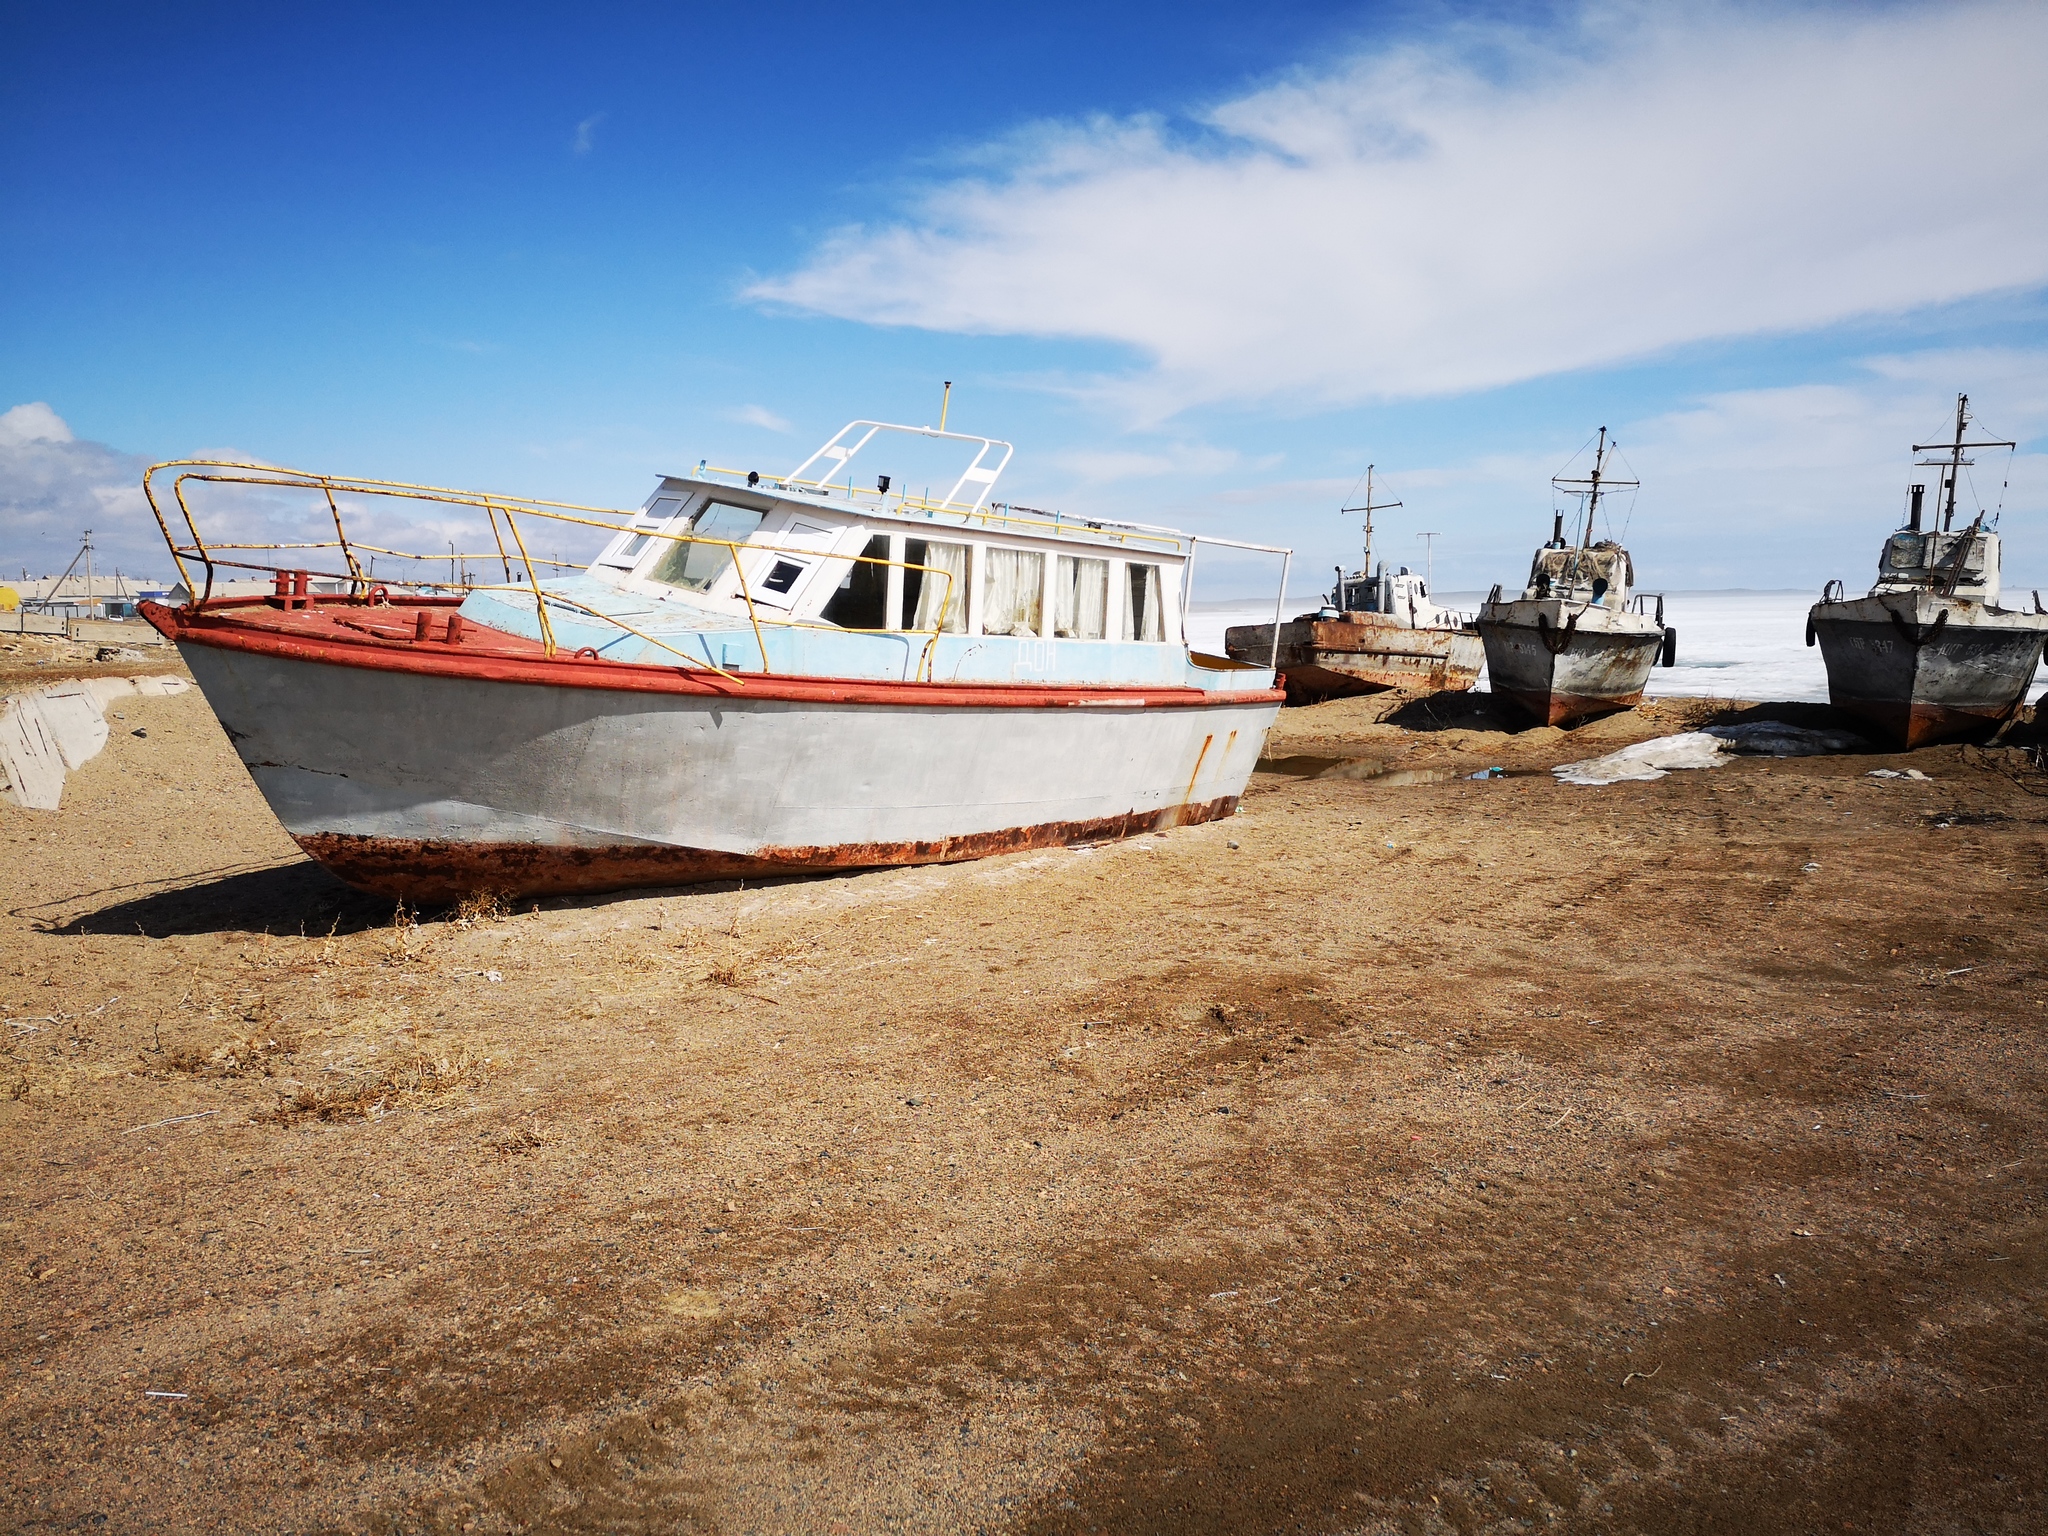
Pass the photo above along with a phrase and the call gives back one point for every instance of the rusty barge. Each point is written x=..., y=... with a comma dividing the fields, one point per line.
x=1930, y=653
x=1579, y=641
x=752, y=676
x=1377, y=629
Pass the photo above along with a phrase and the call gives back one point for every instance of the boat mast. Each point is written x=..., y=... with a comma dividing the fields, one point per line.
x=1955, y=461
x=1592, y=485
x=1593, y=496
x=1368, y=509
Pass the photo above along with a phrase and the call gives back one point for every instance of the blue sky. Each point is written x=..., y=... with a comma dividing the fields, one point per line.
x=1201, y=263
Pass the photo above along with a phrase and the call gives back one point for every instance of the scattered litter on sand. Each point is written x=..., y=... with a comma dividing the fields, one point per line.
x=1895, y=773
x=1707, y=748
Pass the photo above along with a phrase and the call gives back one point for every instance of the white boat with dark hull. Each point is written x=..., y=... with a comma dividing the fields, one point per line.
x=1930, y=653
x=1579, y=641
x=753, y=677
x=1377, y=629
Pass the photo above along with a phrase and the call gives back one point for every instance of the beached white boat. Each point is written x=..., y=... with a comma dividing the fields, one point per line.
x=1377, y=629
x=1931, y=652
x=752, y=677
x=1579, y=641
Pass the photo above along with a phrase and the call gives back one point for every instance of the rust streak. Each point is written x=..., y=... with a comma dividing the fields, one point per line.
x=429, y=871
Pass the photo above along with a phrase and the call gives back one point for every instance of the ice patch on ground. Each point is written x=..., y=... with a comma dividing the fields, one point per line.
x=1709, y=748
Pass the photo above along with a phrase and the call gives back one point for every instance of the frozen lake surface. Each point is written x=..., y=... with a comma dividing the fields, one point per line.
x=1731, y=645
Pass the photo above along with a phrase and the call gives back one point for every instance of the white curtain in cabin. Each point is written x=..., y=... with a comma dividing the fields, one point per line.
x=1144, y=618
x=1014, y=597
x=936, y=594
x=1080, y=602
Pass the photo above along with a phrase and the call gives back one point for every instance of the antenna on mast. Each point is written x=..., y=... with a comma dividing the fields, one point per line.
x=1955, y=463
x=1594, y=484
x=1368, y=509
x=1429, y=559
x=945, y=401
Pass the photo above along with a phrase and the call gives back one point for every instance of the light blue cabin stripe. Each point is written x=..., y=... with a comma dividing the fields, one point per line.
x=725, y=641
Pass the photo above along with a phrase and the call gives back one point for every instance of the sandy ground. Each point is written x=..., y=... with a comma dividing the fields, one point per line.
x=1457, y=1156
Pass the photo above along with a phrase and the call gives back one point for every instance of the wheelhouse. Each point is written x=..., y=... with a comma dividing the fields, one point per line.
x=860, y=558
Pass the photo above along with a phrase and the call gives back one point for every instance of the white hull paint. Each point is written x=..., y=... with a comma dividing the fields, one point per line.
x=427, y=785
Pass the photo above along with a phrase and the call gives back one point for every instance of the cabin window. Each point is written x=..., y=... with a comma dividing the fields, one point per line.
x=930, y=599
x=782, y=576
x=694, y=567
x=1144, y=613
x=1014, y=600
x=1080, y=598
x=862, y=601
x=655, y=516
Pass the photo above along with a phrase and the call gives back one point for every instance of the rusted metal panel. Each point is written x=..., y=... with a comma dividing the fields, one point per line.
x=1362, y=653
x=430, y=871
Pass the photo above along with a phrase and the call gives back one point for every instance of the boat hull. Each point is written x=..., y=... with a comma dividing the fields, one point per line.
x=430, y=777
x=1920, y=668
x=1361, y=653
x=1559, y=671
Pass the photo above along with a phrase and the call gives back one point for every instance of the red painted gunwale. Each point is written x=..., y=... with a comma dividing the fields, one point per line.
x=321, y=633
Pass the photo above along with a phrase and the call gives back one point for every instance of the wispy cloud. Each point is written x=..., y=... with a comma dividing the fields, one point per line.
x=1106, y=466
x=586, y=134
x=1494, y=205
x=758, y=416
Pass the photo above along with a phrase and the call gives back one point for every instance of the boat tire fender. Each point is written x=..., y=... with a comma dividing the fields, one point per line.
x=1810, y=636
x=1670, y=657
x=1914, y=634
x=1556, y=641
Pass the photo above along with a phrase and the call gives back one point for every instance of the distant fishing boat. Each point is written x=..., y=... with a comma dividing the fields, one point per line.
x=1929, y=653
x=1377, y=629
x=1579, y=641
x=753, y=677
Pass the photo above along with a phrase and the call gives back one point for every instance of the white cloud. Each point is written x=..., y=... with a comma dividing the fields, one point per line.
x=1762, y=488
x=34, y=422
x=53, y=487
x=1495, y=206
x=1789, y=486
x=586, y=134
x=759, y=416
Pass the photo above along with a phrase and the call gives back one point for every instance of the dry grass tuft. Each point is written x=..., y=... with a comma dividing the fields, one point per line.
x=481, y=907
x=528, y=1138
x=257, y=1055
x=377, y=1093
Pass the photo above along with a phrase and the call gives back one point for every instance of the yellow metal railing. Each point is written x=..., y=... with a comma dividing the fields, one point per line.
x=212, y=554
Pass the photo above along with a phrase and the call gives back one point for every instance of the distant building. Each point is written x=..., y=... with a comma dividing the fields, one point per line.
x=71, y=597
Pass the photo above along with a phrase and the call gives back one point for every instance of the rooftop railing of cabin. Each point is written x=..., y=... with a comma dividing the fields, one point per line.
x=1001, y=516
x=966, y=500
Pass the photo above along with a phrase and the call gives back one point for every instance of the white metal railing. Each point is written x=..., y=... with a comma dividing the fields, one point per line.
x=1187, y=582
